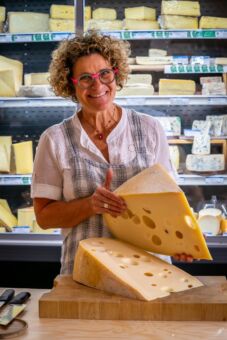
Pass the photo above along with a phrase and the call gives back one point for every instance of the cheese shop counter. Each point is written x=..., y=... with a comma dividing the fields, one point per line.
x=42, y=329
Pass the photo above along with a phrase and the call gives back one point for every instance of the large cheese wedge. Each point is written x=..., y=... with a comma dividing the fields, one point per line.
x=107, y=25
x=205, y=163
x=140, y=13
x=7, y=219
x=158, y=218
x=212, y=22
x=2, y=13
x=119, y=268
x=7, y=64
x=176, y=86
x=23, y=157
x=36, y=78
x=188, y=8
x=7, y=83
x=178, y=22
x=104, y=14
x=131, y=24
x=5, y=205
x=28, y=22
x=61, y=25
x=139, y=90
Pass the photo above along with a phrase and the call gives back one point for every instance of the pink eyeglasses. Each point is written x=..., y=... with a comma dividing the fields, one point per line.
x=86, y=80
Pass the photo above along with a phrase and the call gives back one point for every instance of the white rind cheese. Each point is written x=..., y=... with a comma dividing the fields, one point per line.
x=174, y=156
x=187, y=8
x=28, y=22
x=122, y=269
x=205, y=163
x=153, y=52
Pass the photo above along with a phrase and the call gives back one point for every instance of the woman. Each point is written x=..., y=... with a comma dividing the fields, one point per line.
x=81, y=160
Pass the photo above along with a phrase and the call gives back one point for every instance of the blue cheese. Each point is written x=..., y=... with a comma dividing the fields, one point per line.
x=171, y=125
x=205, y=163
x=201, y=145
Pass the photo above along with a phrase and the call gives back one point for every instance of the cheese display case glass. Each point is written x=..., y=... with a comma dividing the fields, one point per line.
x=178, y=73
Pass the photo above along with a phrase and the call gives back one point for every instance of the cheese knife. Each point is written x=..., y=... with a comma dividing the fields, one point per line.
x=15, y=307
x=6, y=296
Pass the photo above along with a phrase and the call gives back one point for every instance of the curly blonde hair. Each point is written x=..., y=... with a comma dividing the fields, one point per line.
x=115, y=51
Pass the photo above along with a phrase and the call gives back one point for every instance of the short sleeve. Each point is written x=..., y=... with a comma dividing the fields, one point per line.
x=47, y=175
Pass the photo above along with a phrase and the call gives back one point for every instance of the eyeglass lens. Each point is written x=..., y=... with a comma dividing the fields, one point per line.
x=105, y=76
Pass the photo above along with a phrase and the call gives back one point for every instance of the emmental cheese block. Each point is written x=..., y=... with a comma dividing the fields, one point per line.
x=131, y=24
x=187, y=8
x=122, y=269
x=178, y=22
x=23, y=157
x=61, y=25
x=212, y=22
x=104, y=14
x=158, y=218
x=177, y=87
x=140, y=13
x=28, y=22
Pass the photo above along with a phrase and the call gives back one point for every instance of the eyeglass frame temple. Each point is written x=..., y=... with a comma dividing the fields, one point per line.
x=94, y=75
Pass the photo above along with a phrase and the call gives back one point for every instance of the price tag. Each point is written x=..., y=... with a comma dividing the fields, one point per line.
x=221, y=34
x=41, y=37
x=62, y=36
x=22, y=37
x=142, y=35
x=214, y=180
x=179, y=101
x=5, y=38
x=15, y=180
x=178, y=35
x=218, y=100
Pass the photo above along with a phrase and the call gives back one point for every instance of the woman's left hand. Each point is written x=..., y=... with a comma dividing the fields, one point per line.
x=183, y=257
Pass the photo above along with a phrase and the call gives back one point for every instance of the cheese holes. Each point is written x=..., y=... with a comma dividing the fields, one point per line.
x=189, y=222
x=153, y=285
x=148, y=222
x=136, y=219
x=167, y=289
x=147, y=211
x=128, y=260
x=197, y=248
x=190, y=286
x=125, y=215
x=115, y=253
x=163, y=275
x=179, y=234
x=156, y=240
x=148, y=274
x=123, y=267
x=130, y=214
x=183, y=279
x=136, y=256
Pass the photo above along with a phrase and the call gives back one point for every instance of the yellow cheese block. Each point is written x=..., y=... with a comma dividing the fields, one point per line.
x=190, y=8
x=4, y=160
x=107, y=25
x=158, y=218
x=140, y=13
x=212, y=22
x=61, y=25
x=122, y=269
x=26, y=217
x=28, y=22
x=131, y=24
x=5, y=205
x=67, y=12
x=7, y=219
x=177, y=87
x=7, y=64
x=7, y=83
x=141, y=79
x=2, y=13
x=23, y=157
x=139, y=90
x=104, y=14
x=36, y=78
x=178, y=22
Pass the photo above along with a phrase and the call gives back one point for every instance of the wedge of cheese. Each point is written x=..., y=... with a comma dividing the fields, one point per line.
x=7, y=219
x=212, y=22
x=28, y=22
x=145, y=79
x=7, y=64
x=158, y=218
x=122, y=269
x=139, y=90
x=205, y=163
x=154, y=52
x=177, y=87
x=154, y=60
x=2, y=13
x=5, y=205
x=178, y=22
x=5, y=153
x=187, y=8
x=23, y=154
x=7, y=83
x=104, y=14
x=107, y=25
x=61, y=25
x=174, y=156
x=36, y=78
x=131, y=24
x=140, y=13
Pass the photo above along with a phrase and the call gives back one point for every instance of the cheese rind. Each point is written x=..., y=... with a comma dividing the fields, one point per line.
x=119, y=268
x=146, y=225
x=28, y=22
x=104, y=14
x=212, y=22
x=140, y=13
x=174, y=156
x=178, y=22
x=176, y=86
x=131, y=24
x=187, y=8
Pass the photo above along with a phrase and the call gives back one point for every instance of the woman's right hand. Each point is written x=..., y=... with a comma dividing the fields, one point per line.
x=105, y=201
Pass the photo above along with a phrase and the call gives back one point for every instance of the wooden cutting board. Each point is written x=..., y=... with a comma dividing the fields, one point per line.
x=71, y=300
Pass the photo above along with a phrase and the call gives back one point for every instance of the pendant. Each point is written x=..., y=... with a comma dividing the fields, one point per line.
x=100, y=136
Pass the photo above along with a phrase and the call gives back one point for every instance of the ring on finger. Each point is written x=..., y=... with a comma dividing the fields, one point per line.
x=106, y=205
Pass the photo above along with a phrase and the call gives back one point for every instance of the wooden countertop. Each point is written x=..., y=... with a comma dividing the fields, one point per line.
x=63, y=329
